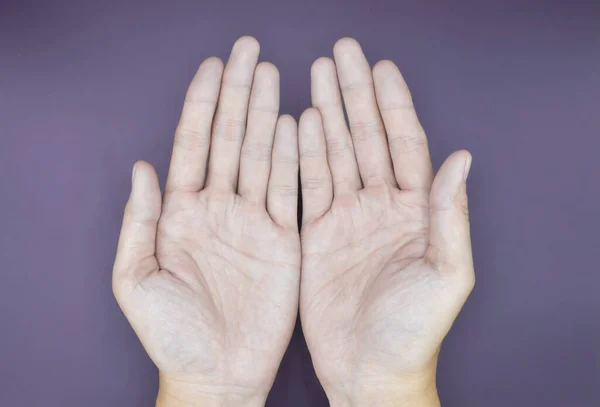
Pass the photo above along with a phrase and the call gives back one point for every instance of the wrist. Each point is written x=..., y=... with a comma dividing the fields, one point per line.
x=406, y=391
x=174, y=393
x=392, y=397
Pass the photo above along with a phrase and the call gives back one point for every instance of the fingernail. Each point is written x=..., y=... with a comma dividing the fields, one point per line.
x=467, y=167
x=133, y=173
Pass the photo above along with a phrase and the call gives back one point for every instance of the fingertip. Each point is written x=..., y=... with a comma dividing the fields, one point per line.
x=206, y=80
x=212, y=63
x=459, y=164
x=266, y=77
x=450, y=179
x=345, y=45
x=385, y=68
x=324, y=83
x=310, y=118
x=145, y=189
x=138, y=166
x=310, y=128
x=143, y=169
x=286, y=135
x=286, y=123
x=142, y=163
x=248, y=44
x=322, y=64
x=267, y=69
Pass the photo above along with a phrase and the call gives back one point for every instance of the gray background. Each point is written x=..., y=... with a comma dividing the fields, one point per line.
x=86, y=88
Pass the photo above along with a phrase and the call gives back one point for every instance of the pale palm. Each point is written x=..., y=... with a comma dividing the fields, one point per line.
x=386, y=262
x=220, y=302
x=208, y=276
x=371, y=301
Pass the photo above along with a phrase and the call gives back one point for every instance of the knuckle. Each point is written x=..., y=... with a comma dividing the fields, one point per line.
x=330, y=106
x=268, y=111
x=337, y=147
x=196, y=103
x=312, y=183
x=285, y=159
x=236, y=84
x=357, y=86
x=189, y=137
x=284, y=190
x=408, y=143
x=229, y=128
x=257, y=151
x=401, y=108
x=312, y=153
x=366, y=131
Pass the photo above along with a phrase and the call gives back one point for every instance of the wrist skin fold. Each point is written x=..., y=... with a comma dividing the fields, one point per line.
x=187, y=394
x=418, y=390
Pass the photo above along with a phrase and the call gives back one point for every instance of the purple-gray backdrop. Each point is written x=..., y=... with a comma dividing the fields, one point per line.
x=86, y=89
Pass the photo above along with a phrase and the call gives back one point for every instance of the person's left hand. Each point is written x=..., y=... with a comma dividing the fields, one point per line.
x=386, y=248
x=208, y=276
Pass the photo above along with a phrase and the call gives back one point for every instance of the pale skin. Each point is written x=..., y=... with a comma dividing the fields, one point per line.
x=386, y=254
x=211, y=274
x=208, y=276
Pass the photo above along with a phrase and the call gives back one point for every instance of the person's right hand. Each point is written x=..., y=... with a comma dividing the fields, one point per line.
x=386, y=254
x=208, y=276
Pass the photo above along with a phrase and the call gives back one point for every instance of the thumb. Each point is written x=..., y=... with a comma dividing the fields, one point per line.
x=449, y=235
x=135, y=253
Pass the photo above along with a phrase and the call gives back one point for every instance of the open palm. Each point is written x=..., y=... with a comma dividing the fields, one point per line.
x=386, y=261
x=208, y=276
